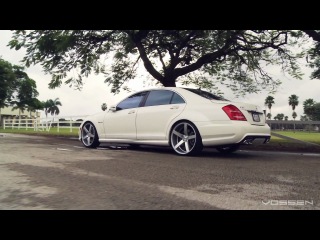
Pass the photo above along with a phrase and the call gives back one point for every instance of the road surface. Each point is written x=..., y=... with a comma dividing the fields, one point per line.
x=60, y=174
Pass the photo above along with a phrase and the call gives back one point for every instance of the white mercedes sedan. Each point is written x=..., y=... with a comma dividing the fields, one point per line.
x=185, y=119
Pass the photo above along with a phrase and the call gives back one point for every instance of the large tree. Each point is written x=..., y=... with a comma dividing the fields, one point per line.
x=312, y=109
x=235, y=58
x=7, y=83
x=16, y=88
x=308, y=107
x=313, y=57
x=25, y=95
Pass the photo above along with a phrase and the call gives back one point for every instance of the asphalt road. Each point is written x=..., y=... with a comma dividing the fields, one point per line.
x=53, y=173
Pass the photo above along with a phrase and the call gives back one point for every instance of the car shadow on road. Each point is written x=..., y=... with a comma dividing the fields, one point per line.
x=206, y=152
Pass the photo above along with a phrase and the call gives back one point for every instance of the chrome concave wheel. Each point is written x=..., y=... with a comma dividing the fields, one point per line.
x=89, y=135
x=184, y=138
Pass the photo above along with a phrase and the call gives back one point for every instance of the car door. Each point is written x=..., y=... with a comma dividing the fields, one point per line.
x=121, y=123
x=160, y=108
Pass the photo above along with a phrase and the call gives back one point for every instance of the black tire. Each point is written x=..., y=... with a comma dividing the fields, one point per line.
x=89, y=135
x=185, y=139
x=228, y=149
x=134, y=146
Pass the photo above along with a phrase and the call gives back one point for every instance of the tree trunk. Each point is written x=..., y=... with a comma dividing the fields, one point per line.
x=169, y=82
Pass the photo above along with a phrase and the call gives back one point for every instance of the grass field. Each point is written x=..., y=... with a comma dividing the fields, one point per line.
x=53, y=131
x=275, y=144
x=313, y=137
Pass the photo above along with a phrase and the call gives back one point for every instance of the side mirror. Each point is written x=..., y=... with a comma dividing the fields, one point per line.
x=113, y=108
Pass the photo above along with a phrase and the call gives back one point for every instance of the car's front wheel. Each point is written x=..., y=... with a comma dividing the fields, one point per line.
x=89, y=135
x=185, y=139
x=228, y=149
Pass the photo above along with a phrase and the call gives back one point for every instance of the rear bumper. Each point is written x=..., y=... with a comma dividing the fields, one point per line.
x=248, y=140
x=217, y=133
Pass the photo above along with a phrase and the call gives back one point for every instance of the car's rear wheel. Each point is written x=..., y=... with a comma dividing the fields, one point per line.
x=134, y=146
x=185, y=139
x=89, y=135
x=228, y=149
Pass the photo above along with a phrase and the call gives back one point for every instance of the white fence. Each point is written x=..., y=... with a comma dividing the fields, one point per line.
x=44, y=124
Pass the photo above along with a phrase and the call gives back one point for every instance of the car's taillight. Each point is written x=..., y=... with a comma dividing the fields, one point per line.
x=234, y=113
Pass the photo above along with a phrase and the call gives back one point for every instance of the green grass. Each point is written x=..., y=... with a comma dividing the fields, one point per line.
x=53, y=131
x=313, y=137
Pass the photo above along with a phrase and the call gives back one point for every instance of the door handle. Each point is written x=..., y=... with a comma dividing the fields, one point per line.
x=132, y=111
x=174, y=107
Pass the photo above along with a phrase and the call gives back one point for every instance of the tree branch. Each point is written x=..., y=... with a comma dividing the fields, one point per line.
x=313, y=34
x=146, y=61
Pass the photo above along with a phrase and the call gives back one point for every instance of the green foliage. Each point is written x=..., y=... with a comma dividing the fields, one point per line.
x=234, y=58
x=313, y=54
x=16, y=88
x=293, y=101
x=8, y=82
x=279, y=116
x=51, y=106
x=269, y=101
x=269, y=116
x=294, y=115
x=311, y=109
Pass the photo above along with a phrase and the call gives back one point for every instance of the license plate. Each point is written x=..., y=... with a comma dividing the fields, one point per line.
x=256, y=117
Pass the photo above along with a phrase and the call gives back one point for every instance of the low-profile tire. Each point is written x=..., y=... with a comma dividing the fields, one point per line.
x=89, y=135
x=185, y=139
x=228, y=149
x=134, y=146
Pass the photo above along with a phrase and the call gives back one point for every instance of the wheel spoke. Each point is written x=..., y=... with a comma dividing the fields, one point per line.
x=85, y=137
x=88, y=141
x=192, y=137
x=185, y=132
x=179, y=144
x=85, y=129
x=90, y=128
x=187, y=146
x=177, y=134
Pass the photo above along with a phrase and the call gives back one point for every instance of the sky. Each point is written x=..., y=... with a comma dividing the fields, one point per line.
x=95, y=92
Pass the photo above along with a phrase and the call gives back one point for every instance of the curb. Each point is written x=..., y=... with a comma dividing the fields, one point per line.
x=294, y=139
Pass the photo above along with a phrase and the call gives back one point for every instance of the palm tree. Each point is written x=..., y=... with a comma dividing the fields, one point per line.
x=51, y=106
x=269, y=116
x=294, y=115
x=293, y=101
x=104, y=106
x=269, y=101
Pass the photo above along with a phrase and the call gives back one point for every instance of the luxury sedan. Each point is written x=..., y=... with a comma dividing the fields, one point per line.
x=185, y=119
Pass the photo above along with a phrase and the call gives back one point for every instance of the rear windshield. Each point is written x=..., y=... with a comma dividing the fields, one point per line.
x=205, y=94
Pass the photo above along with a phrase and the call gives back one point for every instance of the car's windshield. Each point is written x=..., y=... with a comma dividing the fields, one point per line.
x=205, y=94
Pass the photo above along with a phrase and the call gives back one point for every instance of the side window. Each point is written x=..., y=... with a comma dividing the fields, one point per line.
x=176, y=99
x=158, y=97
x=132, y=101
